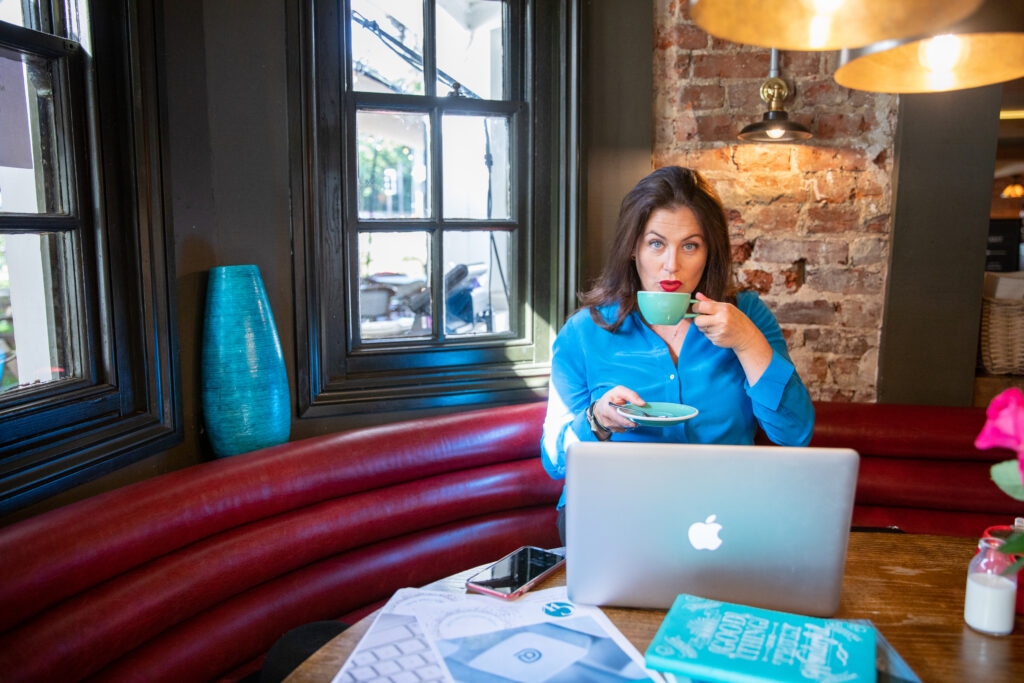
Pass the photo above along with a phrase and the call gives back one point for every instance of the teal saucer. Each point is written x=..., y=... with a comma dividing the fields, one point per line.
x=657, y=414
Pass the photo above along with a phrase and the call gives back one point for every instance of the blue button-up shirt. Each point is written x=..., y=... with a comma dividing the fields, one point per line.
x=587, y=361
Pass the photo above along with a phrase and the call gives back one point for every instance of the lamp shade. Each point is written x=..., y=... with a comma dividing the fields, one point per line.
x=775, y=127
x=824, y=24
x=985, y=48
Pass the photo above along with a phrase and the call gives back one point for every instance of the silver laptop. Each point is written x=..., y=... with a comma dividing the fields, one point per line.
x=758, y=525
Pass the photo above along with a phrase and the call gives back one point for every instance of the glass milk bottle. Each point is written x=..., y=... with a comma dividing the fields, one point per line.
x=989, y=605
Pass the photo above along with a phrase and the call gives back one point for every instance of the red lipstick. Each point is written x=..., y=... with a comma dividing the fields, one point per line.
x=670, y=285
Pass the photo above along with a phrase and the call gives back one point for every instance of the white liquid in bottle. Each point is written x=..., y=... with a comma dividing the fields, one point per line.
x=989, y=604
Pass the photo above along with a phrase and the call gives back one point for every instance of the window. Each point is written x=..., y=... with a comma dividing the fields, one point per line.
x=84, y=386
x=436, y=201
x=38, y=180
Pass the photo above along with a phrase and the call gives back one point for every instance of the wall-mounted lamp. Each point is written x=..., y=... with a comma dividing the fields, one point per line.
x=824, y=24
x=987, y=47
x=775, y=126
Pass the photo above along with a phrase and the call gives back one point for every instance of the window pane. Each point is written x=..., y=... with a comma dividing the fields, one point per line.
x=36, y=310
x=12, y=12
x=28, y=136
x=394, y=274
x=471, y=47
x=29, y=14
x=476, y=166
x=392, y=161
x=387, y=46
x=477, y=282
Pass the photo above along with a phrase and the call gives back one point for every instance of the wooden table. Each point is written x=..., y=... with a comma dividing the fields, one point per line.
x=911, y=587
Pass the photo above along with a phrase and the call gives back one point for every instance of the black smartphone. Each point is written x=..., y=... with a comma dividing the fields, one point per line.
x=516, y=573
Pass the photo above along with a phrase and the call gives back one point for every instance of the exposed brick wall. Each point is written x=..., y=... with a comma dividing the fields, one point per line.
x=809, y=223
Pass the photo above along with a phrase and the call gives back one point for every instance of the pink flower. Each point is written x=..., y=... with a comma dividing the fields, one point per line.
x=1004, y=427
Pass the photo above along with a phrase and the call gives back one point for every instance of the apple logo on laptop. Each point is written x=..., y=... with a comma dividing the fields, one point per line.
x=704, y=535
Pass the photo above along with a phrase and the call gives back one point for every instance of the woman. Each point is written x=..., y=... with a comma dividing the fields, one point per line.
x=730, y=361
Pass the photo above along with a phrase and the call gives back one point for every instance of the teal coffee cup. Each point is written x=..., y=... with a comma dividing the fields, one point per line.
x=664, y=308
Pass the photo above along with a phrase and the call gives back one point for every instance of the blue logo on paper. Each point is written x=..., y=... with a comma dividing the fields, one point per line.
x=528, y=655
x=558, y=609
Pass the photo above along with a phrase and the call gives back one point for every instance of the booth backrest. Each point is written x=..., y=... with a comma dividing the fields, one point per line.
x=919, y=469
x=190, y=574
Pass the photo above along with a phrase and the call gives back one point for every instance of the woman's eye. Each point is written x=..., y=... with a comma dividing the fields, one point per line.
x=655, y=244
x=690, y=246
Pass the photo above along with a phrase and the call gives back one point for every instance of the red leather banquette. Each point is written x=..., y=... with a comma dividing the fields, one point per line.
x=192, y=575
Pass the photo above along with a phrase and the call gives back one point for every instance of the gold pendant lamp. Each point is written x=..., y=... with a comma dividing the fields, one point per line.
x=985, y=48
x=824, y=24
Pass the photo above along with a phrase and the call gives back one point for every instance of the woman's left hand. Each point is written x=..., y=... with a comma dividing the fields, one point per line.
x=724, y=325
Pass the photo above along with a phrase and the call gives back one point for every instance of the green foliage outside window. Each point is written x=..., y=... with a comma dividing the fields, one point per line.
x=385, y=177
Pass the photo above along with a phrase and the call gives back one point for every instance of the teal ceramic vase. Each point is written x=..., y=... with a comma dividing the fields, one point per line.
x=244, y=384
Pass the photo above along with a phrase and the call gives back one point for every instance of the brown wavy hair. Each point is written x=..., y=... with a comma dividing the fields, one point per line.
x=669, y=187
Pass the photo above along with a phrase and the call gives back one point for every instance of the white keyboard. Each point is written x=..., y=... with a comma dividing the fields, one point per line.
x=394, y=650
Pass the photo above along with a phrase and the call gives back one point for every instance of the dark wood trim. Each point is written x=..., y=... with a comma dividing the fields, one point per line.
x=303, y=55
x=430, y=48
x=19, y=38
x=338, y=374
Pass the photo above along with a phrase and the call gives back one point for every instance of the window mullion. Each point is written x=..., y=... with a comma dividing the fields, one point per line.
x=71, y=149
x=436, y=170
x=514, y=38
x=14, y=223
x=429, y=48
x=437, y=234
x=349, y=226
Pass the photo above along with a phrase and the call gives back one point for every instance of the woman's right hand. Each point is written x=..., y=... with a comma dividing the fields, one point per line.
x=606, y=413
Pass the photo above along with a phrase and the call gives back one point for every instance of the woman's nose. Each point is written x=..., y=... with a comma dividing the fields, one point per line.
x=669, y=264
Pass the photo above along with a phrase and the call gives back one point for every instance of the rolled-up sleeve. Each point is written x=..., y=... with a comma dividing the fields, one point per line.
x=779, y=399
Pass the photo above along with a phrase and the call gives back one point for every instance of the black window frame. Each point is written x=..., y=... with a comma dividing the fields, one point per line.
x=336, y=374
x=124, y=402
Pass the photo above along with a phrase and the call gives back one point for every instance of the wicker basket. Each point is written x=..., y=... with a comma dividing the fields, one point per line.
x=1002, y=336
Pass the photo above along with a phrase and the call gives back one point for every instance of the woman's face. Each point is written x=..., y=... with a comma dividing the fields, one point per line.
x=672, y=252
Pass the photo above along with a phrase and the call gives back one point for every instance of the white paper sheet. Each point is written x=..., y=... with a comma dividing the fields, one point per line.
x=541, y=636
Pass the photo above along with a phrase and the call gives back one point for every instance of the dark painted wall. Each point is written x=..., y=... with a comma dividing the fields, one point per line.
x=616, y=118
x=945, y=153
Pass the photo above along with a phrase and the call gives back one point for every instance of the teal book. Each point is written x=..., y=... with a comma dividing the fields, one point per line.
x=723, y=642
x=890, y=667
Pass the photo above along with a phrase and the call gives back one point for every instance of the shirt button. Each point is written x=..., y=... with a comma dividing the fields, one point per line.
x=671, y=376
